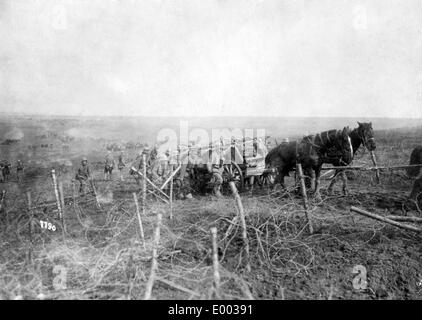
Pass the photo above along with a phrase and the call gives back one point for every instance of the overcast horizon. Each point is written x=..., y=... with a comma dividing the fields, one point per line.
x=250, y=58
x=23, y=114
x=40, y=114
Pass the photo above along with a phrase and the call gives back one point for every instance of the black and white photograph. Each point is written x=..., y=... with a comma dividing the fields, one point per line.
x=210, y=150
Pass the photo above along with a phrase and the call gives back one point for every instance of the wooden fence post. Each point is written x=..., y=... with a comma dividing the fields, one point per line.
x=91, y=181
x=63, y=207
x=141, y=229
x=386, y=220
x=377, y=173
x=75, y=194
x=56, y=192
x=155, y=187
x=144, y=184
x=405, y=218
x=237, y=198
x=154, y=264
x=243, y=221
x=171, y=193
x=215, y=262
x=28, y=196
x=304, y=196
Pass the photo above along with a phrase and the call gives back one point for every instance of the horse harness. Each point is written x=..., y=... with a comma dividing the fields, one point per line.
x=313, y=144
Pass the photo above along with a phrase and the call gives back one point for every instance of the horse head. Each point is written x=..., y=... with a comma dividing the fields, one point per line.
x=366, y=134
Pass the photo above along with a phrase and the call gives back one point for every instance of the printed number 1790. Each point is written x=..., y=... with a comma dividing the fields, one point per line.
x=47, y=225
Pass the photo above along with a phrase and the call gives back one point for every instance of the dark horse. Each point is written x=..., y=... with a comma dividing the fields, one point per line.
x=311, y=152
x=415, y=158
x=362, y=135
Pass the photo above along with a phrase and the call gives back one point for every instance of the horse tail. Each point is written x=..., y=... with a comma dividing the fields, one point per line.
x=415, y=158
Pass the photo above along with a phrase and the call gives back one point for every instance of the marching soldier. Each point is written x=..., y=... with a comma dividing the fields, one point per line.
x=121, y=165
x=19, y=170
x=215, y=166
x=108, y=166
x=154, y=166
x=146, y=152
x=83, y=175
x=153, y=154
x=185, y=188
x=165, y=164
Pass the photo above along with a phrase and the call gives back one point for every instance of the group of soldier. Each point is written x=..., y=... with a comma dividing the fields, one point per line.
x=158, y=168
x=6, y=168
x=83, y=173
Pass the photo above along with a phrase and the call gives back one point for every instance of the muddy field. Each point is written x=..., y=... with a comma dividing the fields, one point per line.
x=100, y=255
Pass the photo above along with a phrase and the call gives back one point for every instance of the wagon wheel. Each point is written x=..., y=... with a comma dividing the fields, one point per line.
x=232, y=172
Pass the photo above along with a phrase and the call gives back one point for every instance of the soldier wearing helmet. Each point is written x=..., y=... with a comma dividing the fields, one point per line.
x=83, y=174
x=150, y=157
x=216, y=167
x=108, y=166
x=166, y=163
x=121, y=165
x=146, y=151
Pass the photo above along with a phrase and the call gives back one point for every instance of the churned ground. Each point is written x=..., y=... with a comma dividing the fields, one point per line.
x=101, y=254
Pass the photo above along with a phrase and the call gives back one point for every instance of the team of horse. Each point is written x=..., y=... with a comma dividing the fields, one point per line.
x=335, y=147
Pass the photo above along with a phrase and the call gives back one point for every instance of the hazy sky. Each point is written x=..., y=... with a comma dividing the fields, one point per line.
x=212, y=57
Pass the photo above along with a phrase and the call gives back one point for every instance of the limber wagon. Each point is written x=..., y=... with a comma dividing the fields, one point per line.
x=243, y=163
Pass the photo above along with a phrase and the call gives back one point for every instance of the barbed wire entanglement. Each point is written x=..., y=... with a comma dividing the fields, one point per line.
x=101, y=254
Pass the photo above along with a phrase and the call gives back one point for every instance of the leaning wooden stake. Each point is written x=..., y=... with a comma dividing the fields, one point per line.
x=405, y=218
x=56, y=193
x=61, y=196
x=386, y=220
x=360, y=168
x=171, y=193
x=30, y=217
x=304, y=196
x=141, y=228
x=237, y=198
x=91, y=181
x=215, y=262
x=144, y=184
x=157, y=196
x=74, y=195
x=170, y=178
x=243, y=221
x=377, y=173
x=154, y=263
x=62, y=204
x=142, y=175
